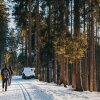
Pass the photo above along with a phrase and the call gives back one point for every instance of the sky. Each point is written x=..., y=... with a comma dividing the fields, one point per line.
x=11, y=23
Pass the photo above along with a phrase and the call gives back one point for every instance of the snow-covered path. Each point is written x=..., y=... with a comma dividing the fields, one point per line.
x=34, y=90
x=23, y=90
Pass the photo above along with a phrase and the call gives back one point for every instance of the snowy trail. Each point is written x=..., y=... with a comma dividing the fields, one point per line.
x=15, y=92
x=26, y=94
x=23, y=90
x=33, y=89
x=33, y=92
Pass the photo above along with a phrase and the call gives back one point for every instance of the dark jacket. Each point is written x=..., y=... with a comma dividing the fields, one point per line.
x=2, y=73
x=11, y=71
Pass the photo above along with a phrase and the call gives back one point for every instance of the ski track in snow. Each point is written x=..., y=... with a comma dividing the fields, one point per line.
x=34, y=92
x=33, y=89
x=23, y=90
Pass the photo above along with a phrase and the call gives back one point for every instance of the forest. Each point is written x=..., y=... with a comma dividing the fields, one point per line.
x=59, y=38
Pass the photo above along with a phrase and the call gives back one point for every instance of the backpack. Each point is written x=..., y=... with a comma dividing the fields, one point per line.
x=6, y=73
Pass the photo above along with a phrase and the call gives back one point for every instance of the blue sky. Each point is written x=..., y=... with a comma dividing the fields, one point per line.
x=11, y=23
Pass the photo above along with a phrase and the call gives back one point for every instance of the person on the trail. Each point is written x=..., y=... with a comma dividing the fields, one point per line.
x=5, y=73
x=11, y=73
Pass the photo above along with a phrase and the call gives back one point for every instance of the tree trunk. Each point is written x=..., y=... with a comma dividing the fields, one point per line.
x=58, y=69
x=37, y=50
x=86, y=74
x=43, y=73
x=85, y=59
x=74, y=75
x=71, y=18
x=94, y=73
x=62, y=69
x=91, y=47
x=26, y=58
x=40, y=64
x=48, y=73
x=78, y=76
x=30, y=36
x=67, y=71
x=77, y=33
x=54, y=69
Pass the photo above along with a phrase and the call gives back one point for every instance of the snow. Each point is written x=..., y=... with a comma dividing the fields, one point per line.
x=32, y=89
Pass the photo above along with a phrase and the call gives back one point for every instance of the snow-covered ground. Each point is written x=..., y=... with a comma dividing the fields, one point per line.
x=33, y=89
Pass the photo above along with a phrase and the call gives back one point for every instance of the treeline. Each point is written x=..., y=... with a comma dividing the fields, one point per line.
x=3, y=29
x=60, y=38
